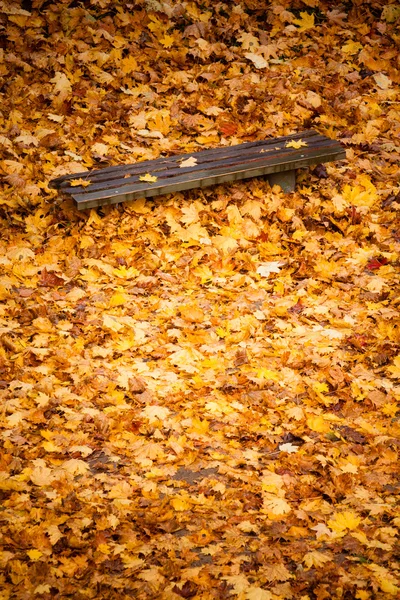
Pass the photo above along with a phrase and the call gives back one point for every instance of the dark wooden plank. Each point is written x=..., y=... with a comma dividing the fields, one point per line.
x=207, y=177
x=166, y=162
x=228, y=160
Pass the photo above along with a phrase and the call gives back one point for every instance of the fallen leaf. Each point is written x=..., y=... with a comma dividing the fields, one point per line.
x=258, y=61
x=148, y=177
x=382, y=81
x=395, y=368
x=289, y=448
x=34, y=554
x=344, y=520
x=315, y=559
x=265, y=269
x=180, y=504
x=80, y=182
x=189, y=162
x=305, y=22
x=296, y=144
x=351, y=47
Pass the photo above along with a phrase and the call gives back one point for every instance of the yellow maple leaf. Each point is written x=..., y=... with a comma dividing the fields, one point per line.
x=264, y=373
x=43, y=588
x=80, y=182
x=51, y=447
x=257, y=593
x=247, y=526
x=126, y=273
x=75, y=466
x=155, y=413
x=112, y=323
x=358, y=196
x=296, y=144
x=318, y=424
x=221, y=332
x=148, y=177
x=180, y=504
x=41, y=475
x=127, y=342
x=122, y=489
x=305, y=22
x=155, y=25
x=349, y=468
x=56, y=118
x=224, y=243
x=395, y=368
x=128, y=64
x=386, y=580
x=118, y=299
x=390, y=408
x=84, y=450
x=139, y=206
x=204, y=272
x=199, y=426
x=62, y=86
x=272, y=482
x=344, y=520
x=382, y=81
x=274, y=505
x=320, y=387
x=103, y=548
x=315, y=559
x=167, y=41
x=389, y=587
x=351, y=47
x=34, y=554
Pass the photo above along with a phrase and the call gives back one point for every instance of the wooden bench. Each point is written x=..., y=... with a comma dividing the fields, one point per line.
x=277, y=157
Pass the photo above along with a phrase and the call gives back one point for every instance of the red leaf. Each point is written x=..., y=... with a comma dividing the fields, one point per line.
x=376, y=263
x=227, y=128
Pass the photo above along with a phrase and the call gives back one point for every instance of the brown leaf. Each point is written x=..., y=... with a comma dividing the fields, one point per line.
x=241, y=357
x=188, y=590
x=50, y=279
x=352, y=435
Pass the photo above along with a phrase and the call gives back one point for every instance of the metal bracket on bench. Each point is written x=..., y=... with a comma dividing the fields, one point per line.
x=285, y=179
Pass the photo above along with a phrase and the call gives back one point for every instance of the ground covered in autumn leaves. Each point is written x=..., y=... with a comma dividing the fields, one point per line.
x=199, y=393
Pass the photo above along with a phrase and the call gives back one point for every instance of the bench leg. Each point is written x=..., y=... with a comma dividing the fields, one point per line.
x=286, y=179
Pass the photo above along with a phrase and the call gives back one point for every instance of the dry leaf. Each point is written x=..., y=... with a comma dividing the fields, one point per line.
x=295, y=144
x=265, y=269
x=148, y=177
x=305, y=22
x=79, y=182
x=258, y=61
x=189, y=162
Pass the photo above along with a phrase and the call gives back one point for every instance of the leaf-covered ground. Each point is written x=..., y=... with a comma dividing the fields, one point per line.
x=199, y=393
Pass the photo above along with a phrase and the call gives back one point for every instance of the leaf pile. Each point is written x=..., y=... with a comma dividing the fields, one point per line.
x=200, y=393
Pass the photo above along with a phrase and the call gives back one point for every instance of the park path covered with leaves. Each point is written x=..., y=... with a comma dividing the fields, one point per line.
x=200, y=393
